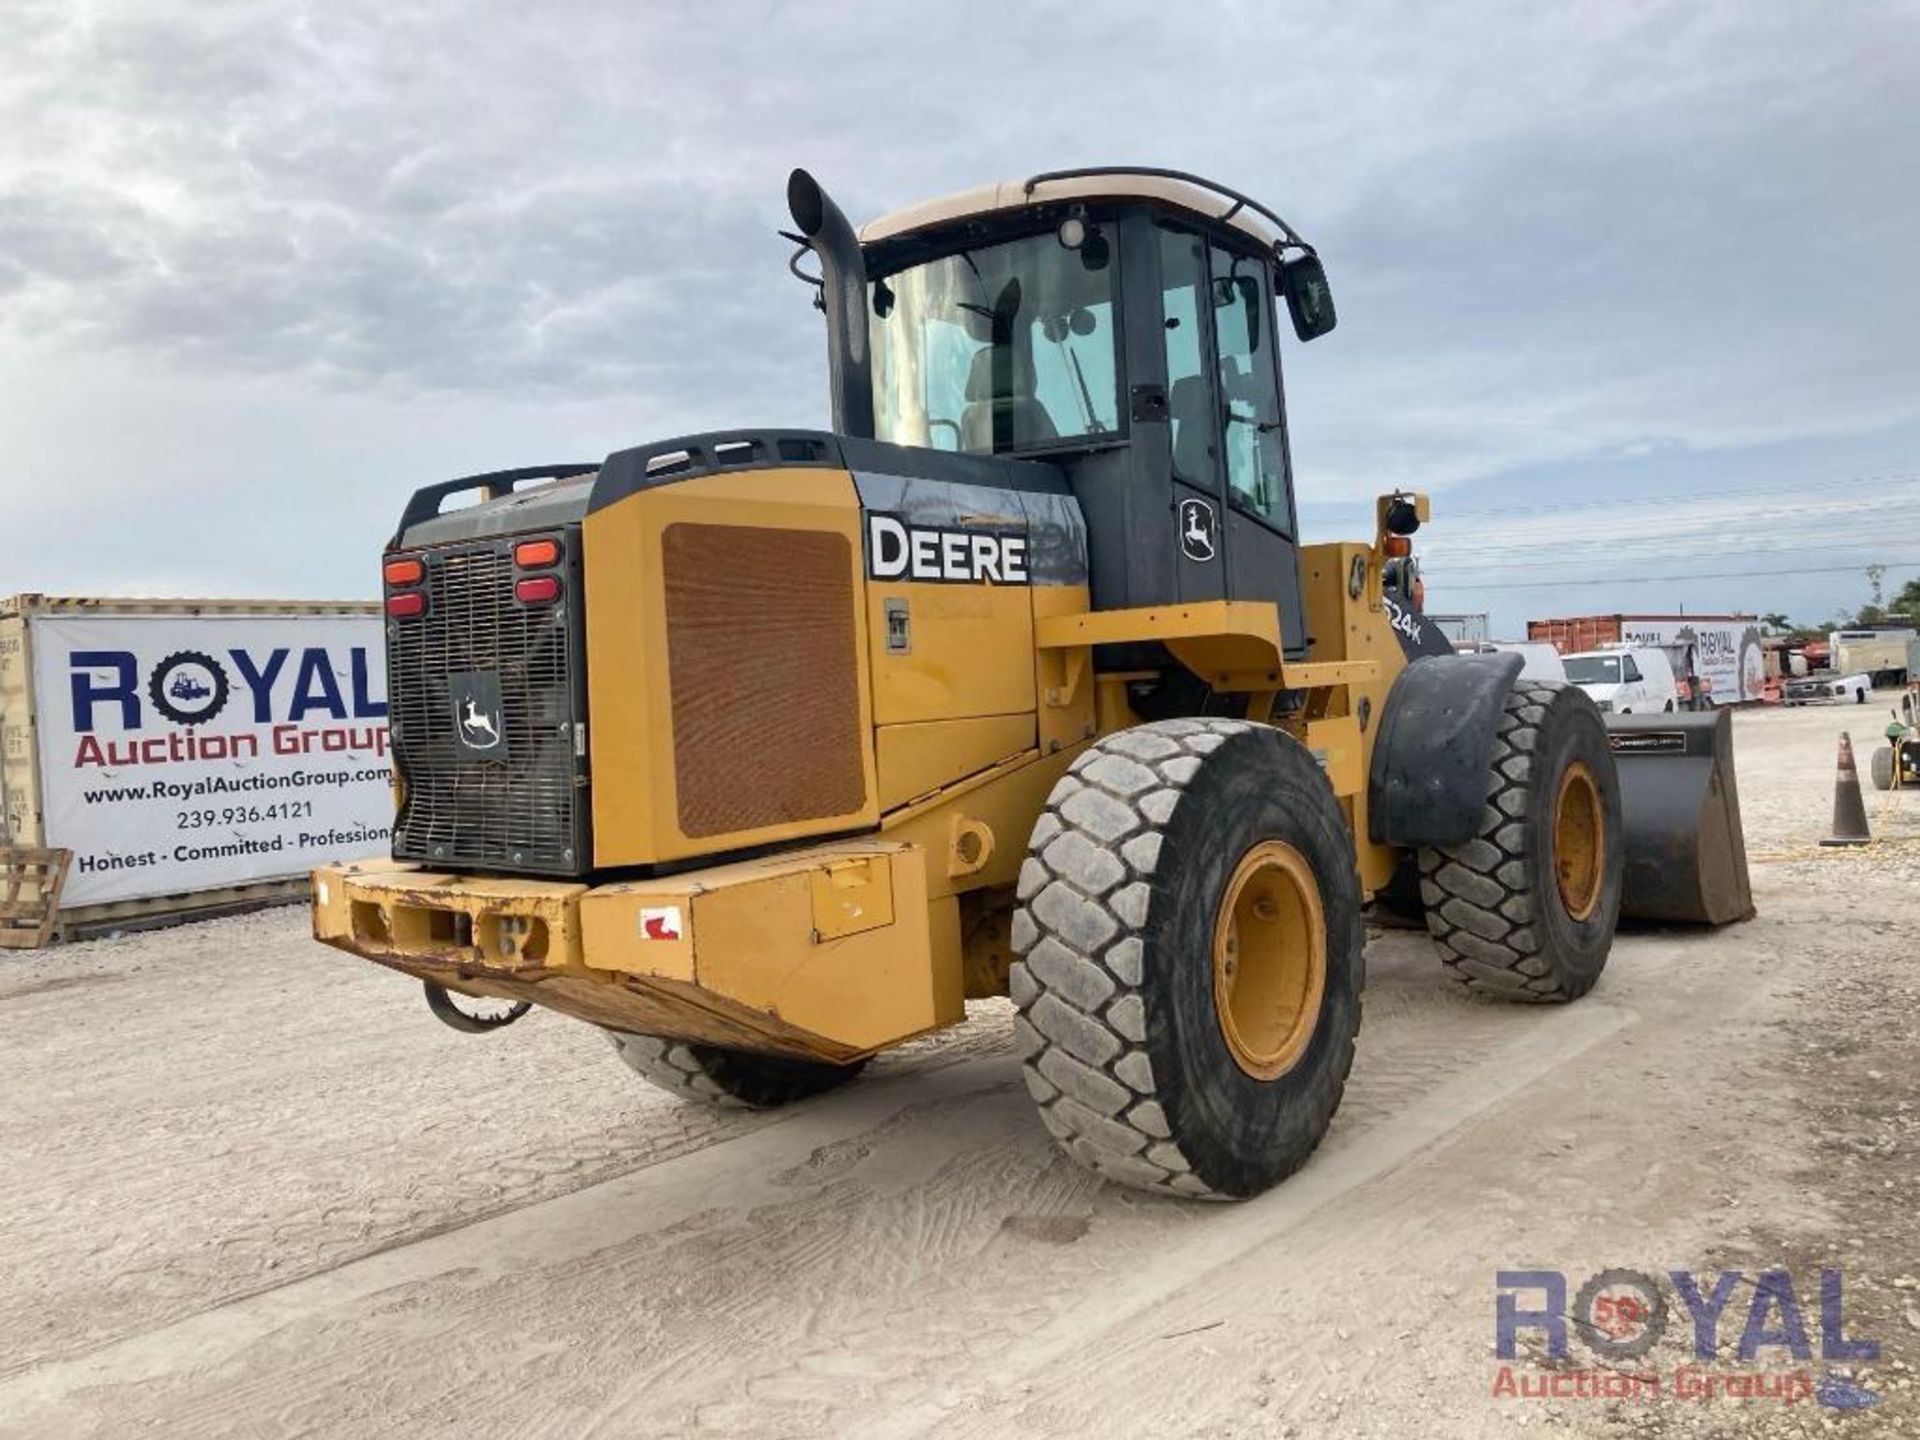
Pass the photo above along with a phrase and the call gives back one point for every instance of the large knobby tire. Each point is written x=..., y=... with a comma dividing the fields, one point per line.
x=1190, y=962
x=1881, y=764
x=734, y=1079
x=1526, y=909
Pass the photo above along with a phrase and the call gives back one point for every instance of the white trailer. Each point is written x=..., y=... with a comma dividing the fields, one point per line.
x=1879, y=653
x=1726, y=650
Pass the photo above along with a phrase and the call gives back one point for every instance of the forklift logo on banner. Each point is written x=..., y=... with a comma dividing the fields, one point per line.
x=1196, y=530
x=189, y=687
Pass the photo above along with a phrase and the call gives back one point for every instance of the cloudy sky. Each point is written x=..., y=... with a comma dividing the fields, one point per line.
x=1631, y=287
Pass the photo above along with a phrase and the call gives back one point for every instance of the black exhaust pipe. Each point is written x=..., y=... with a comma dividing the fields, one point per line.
x=843, y=272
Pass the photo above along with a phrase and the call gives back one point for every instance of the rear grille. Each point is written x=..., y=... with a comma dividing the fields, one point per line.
x=519, y=804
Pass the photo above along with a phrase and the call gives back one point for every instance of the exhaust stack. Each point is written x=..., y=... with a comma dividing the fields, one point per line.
x=843, y=273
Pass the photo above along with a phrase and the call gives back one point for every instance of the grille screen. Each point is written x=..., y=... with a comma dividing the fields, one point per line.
x=471, y=799
x=766, y=697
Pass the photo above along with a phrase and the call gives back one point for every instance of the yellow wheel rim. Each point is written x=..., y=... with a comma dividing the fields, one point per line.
x=1269, y=959
x=1579, y=840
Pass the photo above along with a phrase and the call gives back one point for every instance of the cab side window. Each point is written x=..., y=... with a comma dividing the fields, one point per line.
x=1250, y=386
x=1183, y=290
x=1632, y=670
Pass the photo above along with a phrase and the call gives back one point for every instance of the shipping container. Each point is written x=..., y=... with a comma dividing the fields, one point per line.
x=1726, y=649
x=194, y=756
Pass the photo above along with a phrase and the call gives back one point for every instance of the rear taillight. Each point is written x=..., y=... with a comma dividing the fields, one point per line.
x=536, y=554
x=402, y=572
x=537, y=590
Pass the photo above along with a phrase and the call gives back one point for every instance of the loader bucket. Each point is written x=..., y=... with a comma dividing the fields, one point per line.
x=1686, y=853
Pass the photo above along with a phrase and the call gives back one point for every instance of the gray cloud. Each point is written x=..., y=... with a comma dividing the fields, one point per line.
x=1561, y=237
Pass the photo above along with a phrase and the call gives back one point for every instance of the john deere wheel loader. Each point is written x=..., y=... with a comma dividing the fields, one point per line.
x=765, y=750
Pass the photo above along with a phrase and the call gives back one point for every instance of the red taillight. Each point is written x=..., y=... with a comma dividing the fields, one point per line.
x=536, y=554
x=1396, y=546
x=411, y=603
x=405, y=571
x=537, y=589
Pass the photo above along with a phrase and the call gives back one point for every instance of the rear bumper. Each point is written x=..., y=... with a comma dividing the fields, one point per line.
x=825, y=953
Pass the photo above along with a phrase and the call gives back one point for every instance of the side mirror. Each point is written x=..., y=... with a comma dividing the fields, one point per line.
x=1303, y=280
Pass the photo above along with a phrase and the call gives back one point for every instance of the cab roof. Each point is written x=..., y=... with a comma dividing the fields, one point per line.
x=1172, y=188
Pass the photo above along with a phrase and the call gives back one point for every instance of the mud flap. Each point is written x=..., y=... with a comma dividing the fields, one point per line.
x=1686, y=851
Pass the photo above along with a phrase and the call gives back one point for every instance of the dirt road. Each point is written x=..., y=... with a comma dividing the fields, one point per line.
x=252, y=1189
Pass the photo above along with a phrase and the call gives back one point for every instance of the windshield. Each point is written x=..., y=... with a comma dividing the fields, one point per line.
x=1007, y=347
x=1594, y=669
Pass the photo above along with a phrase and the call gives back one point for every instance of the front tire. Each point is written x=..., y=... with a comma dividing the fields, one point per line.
x=729, y=1079
x=1190, y=957
x=1526, y=909
x=1881, y=764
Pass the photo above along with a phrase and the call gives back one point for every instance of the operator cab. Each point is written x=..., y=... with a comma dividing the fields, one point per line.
x=1121, y=326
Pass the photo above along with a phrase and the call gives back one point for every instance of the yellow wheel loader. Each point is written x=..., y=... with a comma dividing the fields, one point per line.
x=766, y=750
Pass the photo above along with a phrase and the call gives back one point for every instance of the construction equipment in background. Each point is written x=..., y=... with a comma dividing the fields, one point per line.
x=1686, y=853
x=1695, y=691
x=1896, y=764
x=765, y=750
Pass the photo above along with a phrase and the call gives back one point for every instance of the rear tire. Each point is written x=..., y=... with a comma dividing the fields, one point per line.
x=1190, y=965
x=1881, y=764
x=730, y=1079
x=1526, y=909
x=1397, y=904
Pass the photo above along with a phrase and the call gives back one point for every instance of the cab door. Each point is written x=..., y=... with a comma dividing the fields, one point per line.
x=1199, y=506
x=1262, y=528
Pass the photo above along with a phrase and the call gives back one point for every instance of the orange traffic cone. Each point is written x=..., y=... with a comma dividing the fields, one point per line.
x=1849, y=809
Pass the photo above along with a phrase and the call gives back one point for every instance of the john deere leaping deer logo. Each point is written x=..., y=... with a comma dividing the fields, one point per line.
x=1196, y=530
x=480, y=730
x=479, y=722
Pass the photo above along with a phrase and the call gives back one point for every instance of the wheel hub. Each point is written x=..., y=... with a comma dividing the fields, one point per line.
x=1269, y=959
x=1579, y=840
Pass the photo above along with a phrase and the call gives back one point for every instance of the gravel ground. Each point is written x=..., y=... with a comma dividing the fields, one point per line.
x=252, y=1189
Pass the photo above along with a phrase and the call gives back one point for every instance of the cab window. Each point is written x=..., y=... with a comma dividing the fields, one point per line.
x=1005, y=348
x=1249, y=386
x=1632, y=670
x=1183, y=291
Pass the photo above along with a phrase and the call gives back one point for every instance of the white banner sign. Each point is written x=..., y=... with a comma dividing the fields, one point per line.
x=1727, y=652
x=190, y=752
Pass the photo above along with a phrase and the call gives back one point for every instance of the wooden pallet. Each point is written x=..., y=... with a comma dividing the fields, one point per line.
x=30, y=882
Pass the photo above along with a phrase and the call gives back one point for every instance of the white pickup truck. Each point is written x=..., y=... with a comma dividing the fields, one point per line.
x=1837, y=689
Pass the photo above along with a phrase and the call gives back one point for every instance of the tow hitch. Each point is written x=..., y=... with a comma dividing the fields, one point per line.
x=478, y=1015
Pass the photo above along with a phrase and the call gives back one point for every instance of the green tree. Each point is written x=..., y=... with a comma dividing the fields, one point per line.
x=1907, y=602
